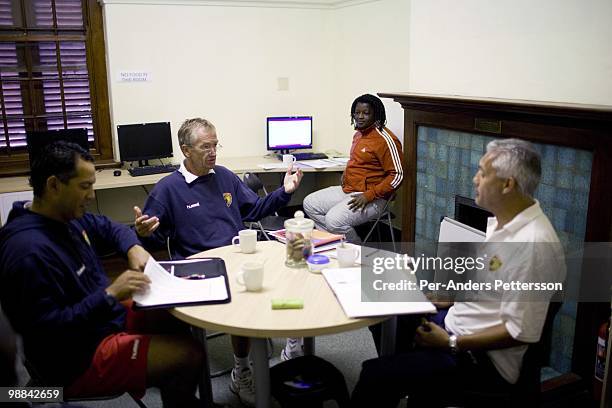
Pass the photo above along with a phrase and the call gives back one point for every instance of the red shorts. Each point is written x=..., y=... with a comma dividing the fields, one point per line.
x=118, y=365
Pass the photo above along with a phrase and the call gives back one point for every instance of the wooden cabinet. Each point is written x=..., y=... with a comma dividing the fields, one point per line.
x=584, y=127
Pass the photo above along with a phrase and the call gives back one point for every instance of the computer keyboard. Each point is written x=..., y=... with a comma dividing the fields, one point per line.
x=147, y=170
x=309, y=156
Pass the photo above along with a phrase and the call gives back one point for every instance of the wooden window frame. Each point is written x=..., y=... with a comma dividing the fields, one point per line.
x=102, y=149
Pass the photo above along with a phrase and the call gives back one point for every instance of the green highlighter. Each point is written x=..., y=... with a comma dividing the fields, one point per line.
x=287, y=304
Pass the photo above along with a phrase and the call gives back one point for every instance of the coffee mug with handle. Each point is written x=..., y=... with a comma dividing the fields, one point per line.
x=246, y=240
x=251, y=275
x=347, y=254
x=288, y=159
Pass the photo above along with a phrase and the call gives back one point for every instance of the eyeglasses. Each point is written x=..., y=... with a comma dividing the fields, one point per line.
x=208, y=147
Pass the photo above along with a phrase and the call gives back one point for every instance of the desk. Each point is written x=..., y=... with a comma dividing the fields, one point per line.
x=250, y=314
x=106, y=180
x=117, y=195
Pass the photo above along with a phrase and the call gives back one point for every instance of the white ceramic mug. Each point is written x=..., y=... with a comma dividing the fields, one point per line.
x=247, y=240
x=347, y=255
x=288, y=160
x=251, y=275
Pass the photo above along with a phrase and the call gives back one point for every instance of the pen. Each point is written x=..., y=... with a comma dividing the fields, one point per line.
x=195, y=276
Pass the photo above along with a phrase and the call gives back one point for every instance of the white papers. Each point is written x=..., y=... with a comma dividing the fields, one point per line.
x=269, y=166
x=166, y=289
x=346, y=285
x=280, y=165
x=320, y=163
x=339, y=160
x=315, y=164
x=454, y=231
x=324, y=248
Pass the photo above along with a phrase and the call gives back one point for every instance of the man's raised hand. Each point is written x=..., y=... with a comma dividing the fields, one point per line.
x=292, y=181
x=144, y=224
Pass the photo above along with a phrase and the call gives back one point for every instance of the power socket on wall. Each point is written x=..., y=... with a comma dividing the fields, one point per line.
x=282, y=84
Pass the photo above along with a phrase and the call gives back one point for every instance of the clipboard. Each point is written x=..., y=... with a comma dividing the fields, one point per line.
x=170, y=286
x=208, y=267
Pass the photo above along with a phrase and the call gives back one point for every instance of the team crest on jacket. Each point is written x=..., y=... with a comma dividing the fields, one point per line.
x=228, y=198
x=495, y=263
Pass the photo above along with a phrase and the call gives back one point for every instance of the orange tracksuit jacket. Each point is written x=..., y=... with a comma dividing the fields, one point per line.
x=375, y=167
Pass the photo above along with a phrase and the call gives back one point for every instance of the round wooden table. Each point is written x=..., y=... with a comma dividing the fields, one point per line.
x=250, y=314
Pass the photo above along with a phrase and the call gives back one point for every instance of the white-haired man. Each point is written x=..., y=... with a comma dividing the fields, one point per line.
x=481, y=342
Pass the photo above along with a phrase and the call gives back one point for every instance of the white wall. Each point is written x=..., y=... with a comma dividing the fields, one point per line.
x=550, y=50
x=370, y=55
x=221, y=63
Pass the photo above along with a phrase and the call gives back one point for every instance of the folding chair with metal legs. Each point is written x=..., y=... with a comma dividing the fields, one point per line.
x=386, y=213
x=271, y=222
x=261, y=228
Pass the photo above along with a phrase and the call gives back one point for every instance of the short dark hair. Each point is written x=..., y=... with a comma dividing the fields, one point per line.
x=56, y=159
x=380, y=117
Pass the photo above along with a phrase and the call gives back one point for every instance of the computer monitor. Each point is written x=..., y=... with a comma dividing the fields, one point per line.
x=289, y=132
x=38, y=139
x=470, y=213
x=144, y=141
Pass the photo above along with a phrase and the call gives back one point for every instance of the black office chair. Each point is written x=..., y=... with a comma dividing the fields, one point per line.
x=386, y=215
x=37, y=381
x=270, y=223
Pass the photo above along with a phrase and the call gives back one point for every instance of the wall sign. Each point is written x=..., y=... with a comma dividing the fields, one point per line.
x=134, y=76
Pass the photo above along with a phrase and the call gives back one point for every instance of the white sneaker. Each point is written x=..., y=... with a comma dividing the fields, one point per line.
x=292, y=349
x=242, y=385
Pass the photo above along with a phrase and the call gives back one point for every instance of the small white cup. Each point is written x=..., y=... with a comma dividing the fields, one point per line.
x=247, y=240
x=347, y=255
x=251, y=276
x=288, y=160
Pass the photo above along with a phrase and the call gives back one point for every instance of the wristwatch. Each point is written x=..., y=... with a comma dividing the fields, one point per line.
x=452, y=343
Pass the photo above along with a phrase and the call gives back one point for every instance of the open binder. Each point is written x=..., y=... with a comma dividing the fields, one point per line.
x=184, y=283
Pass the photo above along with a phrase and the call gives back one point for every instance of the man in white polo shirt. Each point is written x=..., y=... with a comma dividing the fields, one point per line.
x=482, y=342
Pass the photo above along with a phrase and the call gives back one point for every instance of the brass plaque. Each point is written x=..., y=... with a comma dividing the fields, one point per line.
x=487, y=125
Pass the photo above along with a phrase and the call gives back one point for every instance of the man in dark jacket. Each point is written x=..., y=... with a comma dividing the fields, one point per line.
x=203, y=206
x=77, y=331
